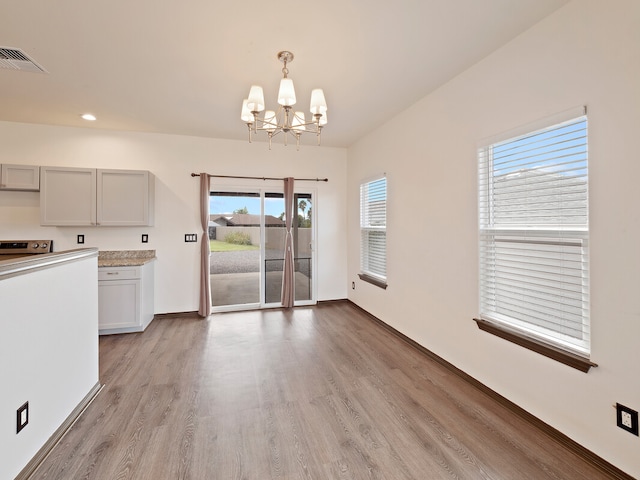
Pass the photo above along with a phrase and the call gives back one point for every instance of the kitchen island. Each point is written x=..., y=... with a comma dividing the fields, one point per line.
x=48, y=351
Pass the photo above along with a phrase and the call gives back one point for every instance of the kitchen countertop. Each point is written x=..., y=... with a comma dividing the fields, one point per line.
x=32, y=263
x=125, y=258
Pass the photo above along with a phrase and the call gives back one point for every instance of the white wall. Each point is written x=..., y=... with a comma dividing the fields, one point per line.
x=172, y=159
x=48, y=354
x=585, y=53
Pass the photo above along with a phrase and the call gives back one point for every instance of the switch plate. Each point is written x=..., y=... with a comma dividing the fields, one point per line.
x=80, y=238
x=145, y=238
x=190, y=237
x=627, y=419
x=22, y=417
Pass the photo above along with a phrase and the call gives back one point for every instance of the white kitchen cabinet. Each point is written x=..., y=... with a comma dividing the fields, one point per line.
x=125, y=197
x=20, y=177
x=125, y=298
x=86, y=196
x=67, y=196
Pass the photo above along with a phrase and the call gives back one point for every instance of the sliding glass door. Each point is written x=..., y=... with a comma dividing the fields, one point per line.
x=303, y=246
x=235, y=238
x=274, y=235
x=247, y=234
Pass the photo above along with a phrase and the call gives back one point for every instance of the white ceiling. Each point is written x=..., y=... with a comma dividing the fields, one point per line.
x=183, y=67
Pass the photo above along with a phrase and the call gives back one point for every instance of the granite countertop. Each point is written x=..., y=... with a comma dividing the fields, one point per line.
x=125, y=258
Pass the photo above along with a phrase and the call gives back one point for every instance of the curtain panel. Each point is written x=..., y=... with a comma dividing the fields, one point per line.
x=288, y=270
x=204, y=309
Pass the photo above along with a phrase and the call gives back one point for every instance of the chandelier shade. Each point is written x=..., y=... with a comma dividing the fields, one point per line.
x=270, y=121
x=255, y=102
x=284, y=120
x=318, y=103
x=246, y=115
x=287, y=93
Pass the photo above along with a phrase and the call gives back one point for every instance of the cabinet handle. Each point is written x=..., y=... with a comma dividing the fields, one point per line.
x=113, y=273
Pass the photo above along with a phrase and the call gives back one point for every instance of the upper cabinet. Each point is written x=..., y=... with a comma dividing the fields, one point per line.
x=67, y=196
x=20, y=177
x=125, y=197
x=86, y=196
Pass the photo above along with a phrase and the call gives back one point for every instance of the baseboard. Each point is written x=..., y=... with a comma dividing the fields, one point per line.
x=39, y=457
x=586, y=454
x=332, y=302
x=193, y=314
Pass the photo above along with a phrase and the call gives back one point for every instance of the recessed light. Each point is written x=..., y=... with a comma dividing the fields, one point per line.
x=89, y=116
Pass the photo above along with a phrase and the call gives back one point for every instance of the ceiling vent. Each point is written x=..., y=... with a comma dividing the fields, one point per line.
x=15, y=59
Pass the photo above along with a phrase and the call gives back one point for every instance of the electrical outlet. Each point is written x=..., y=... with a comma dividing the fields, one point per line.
x=190, y=237
x=22, y=417
x=80, y=238
x=627, y=419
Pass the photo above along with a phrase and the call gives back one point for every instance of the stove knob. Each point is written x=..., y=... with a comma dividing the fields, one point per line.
x=44, y=245
x=35, y=245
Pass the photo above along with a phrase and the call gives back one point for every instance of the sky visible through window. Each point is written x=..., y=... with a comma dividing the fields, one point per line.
x=224, y=204
x=551, y=150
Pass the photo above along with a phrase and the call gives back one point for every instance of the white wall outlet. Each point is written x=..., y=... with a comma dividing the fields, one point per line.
x=627, y=419
x=22, y=417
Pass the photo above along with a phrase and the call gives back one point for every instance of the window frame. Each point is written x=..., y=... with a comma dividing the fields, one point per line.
x=366, y=274
x=549, y=342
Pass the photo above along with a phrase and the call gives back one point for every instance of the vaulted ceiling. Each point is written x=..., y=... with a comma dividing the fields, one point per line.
x=184, y=67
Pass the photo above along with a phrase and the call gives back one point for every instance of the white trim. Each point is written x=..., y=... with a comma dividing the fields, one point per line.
x=373, y=178
x=534, y=126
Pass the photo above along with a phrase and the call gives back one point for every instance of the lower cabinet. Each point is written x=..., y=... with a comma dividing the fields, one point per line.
x=125, y=299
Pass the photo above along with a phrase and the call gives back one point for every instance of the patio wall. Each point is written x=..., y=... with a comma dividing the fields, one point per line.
x=275, y=237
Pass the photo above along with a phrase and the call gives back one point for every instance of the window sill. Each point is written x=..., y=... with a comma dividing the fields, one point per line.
x=373, y=281
x=555, y=353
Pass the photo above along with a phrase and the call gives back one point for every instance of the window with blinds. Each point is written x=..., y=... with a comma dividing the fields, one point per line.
x=373, y=229
x=534, y=234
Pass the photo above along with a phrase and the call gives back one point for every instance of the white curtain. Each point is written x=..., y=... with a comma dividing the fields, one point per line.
x=288, y=271
x=205, y=276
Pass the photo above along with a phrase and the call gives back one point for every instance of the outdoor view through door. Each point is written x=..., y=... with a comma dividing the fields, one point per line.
x=247, y=235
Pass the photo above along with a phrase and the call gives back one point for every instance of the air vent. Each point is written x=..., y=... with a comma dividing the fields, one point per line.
x=15, y=59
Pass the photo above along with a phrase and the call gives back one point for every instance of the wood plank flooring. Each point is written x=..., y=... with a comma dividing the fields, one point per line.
x=311, y=393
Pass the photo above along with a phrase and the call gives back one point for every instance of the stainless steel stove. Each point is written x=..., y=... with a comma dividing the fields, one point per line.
x=12, y=249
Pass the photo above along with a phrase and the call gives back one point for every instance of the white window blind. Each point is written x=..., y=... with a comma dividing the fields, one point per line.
x=373, y=228
x=534, y=234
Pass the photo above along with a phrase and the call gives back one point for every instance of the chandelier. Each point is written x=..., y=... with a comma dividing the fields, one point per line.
x=284, y=120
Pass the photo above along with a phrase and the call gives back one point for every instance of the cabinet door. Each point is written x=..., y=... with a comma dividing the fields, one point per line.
x=125, y=197
x=119, y=305
x=67, y=196
x=20, y=177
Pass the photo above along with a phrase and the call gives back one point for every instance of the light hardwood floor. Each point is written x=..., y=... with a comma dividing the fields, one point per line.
x=311, y=393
